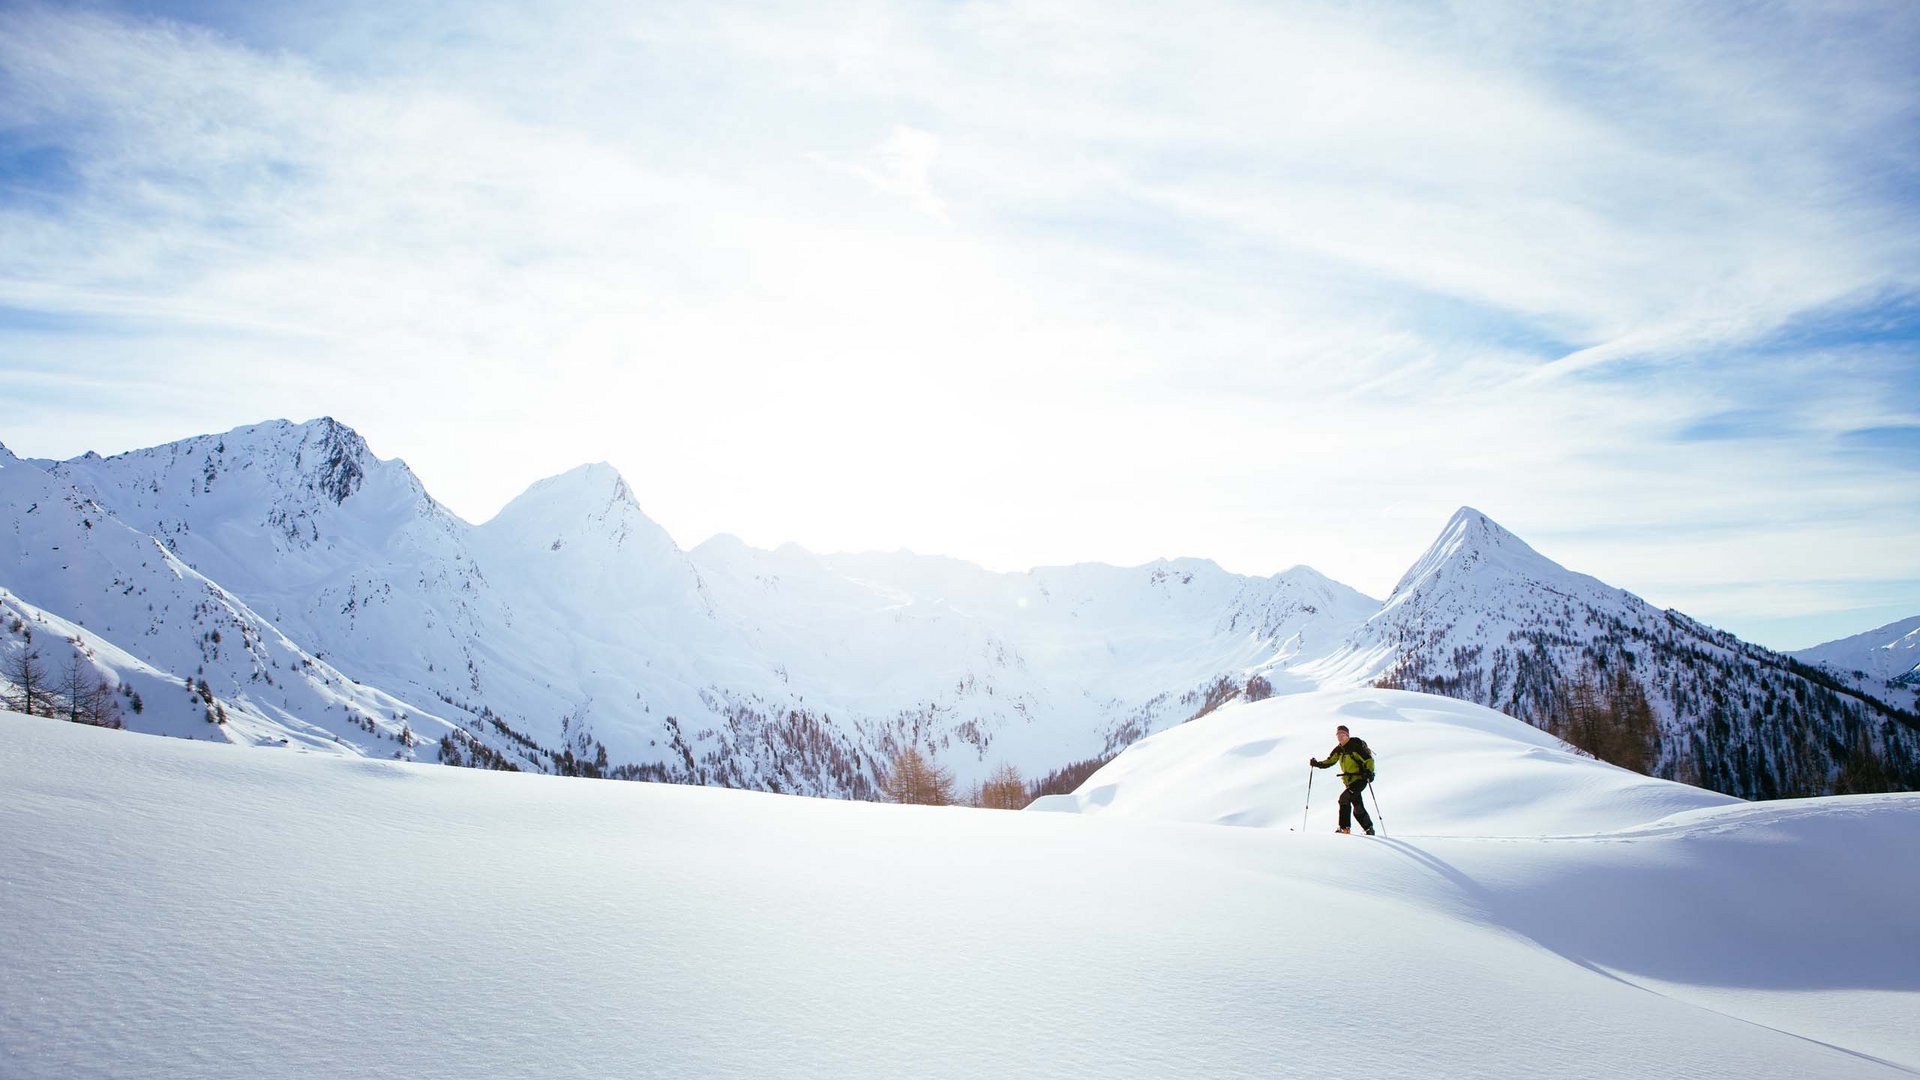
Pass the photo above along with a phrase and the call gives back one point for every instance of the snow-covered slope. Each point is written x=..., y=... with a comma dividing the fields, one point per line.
x=1476, y=588
x=75, y=580
x=1884, y=660
x=178, y=909
x=342, y=551
x=1445, y=768
x=569, y=633
x=339, y=548
x=1021, y=667
x=568, y=627
x=349, y=553
x=1483, y=617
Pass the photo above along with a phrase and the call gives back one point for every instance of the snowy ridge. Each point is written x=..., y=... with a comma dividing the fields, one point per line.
x=1118, y=651
x=345, y=553
x=1471, y=539
x=851, y=939
x=570, y=634
x=204, y=663
x=1483, y=617
x=277, y=480
x=1447, y=768
x=1884, y=660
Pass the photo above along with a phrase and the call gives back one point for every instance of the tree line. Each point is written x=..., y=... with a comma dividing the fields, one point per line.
x=911, y=777
x=1607, y=714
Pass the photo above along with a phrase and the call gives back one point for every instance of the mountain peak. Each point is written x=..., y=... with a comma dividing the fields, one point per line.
x=1301, y=572
x=322, y=455
x=334, y=456
x=1188, y=564
x=1306, y=577
x=594, y=480
x=721, y=547
x=1478, y=525
x=591, y=500
x=1471, y=538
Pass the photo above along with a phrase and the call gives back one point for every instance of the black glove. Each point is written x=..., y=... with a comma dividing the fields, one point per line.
x=1314, y=761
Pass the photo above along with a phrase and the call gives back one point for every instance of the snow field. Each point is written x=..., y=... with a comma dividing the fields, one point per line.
x=182, y=909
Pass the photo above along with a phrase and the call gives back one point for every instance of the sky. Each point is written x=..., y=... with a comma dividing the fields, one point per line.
x=1024, y=284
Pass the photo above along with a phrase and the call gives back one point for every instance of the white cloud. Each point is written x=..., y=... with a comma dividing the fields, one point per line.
x=1269, y=284
x=903, y=167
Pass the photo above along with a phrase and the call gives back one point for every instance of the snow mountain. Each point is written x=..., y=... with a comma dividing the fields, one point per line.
x=1024, y=665
x=187, y=656
x=570, y=634
x=1885, y=660
x=1483, y=617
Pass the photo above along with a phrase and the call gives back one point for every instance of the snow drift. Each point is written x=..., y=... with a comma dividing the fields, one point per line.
x=1446, y=768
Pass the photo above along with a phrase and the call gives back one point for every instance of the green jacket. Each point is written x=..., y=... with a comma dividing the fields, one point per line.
x=1354, y=759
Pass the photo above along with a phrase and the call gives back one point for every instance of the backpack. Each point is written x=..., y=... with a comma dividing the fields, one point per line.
x=1357, y=745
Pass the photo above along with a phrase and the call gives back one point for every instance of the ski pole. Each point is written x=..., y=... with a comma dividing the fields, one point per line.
x=1377, y=812
x=1309, y=806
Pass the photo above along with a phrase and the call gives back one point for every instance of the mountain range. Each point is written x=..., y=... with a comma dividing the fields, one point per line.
x=279, y=584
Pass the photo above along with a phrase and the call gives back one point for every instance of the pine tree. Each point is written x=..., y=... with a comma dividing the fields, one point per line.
x=911, y=778
x=1863, y=772
x=1004, y=790
x=1608, y=716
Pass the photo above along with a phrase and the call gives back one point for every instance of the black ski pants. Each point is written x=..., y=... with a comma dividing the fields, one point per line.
x=1353, y=806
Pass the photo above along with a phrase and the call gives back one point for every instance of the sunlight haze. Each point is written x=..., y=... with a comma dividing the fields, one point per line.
x=1019, y=284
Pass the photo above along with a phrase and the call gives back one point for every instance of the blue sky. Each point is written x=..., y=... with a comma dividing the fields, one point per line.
x=1268, y=283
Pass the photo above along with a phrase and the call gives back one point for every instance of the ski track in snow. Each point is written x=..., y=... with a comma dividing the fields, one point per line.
x=181, y=909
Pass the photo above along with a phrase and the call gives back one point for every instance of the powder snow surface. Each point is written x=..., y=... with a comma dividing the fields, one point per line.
x=177, y=909
x=1445, y=768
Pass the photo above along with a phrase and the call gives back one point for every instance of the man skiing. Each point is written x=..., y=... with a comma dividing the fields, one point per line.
x=1356, y=771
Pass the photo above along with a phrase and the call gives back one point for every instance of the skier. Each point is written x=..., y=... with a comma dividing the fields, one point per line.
x=1356, y=771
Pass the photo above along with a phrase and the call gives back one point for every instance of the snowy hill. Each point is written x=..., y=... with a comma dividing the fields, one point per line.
x=1445, y=768
x=1885, y=660
x=182, y=909
x=1483, y=617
